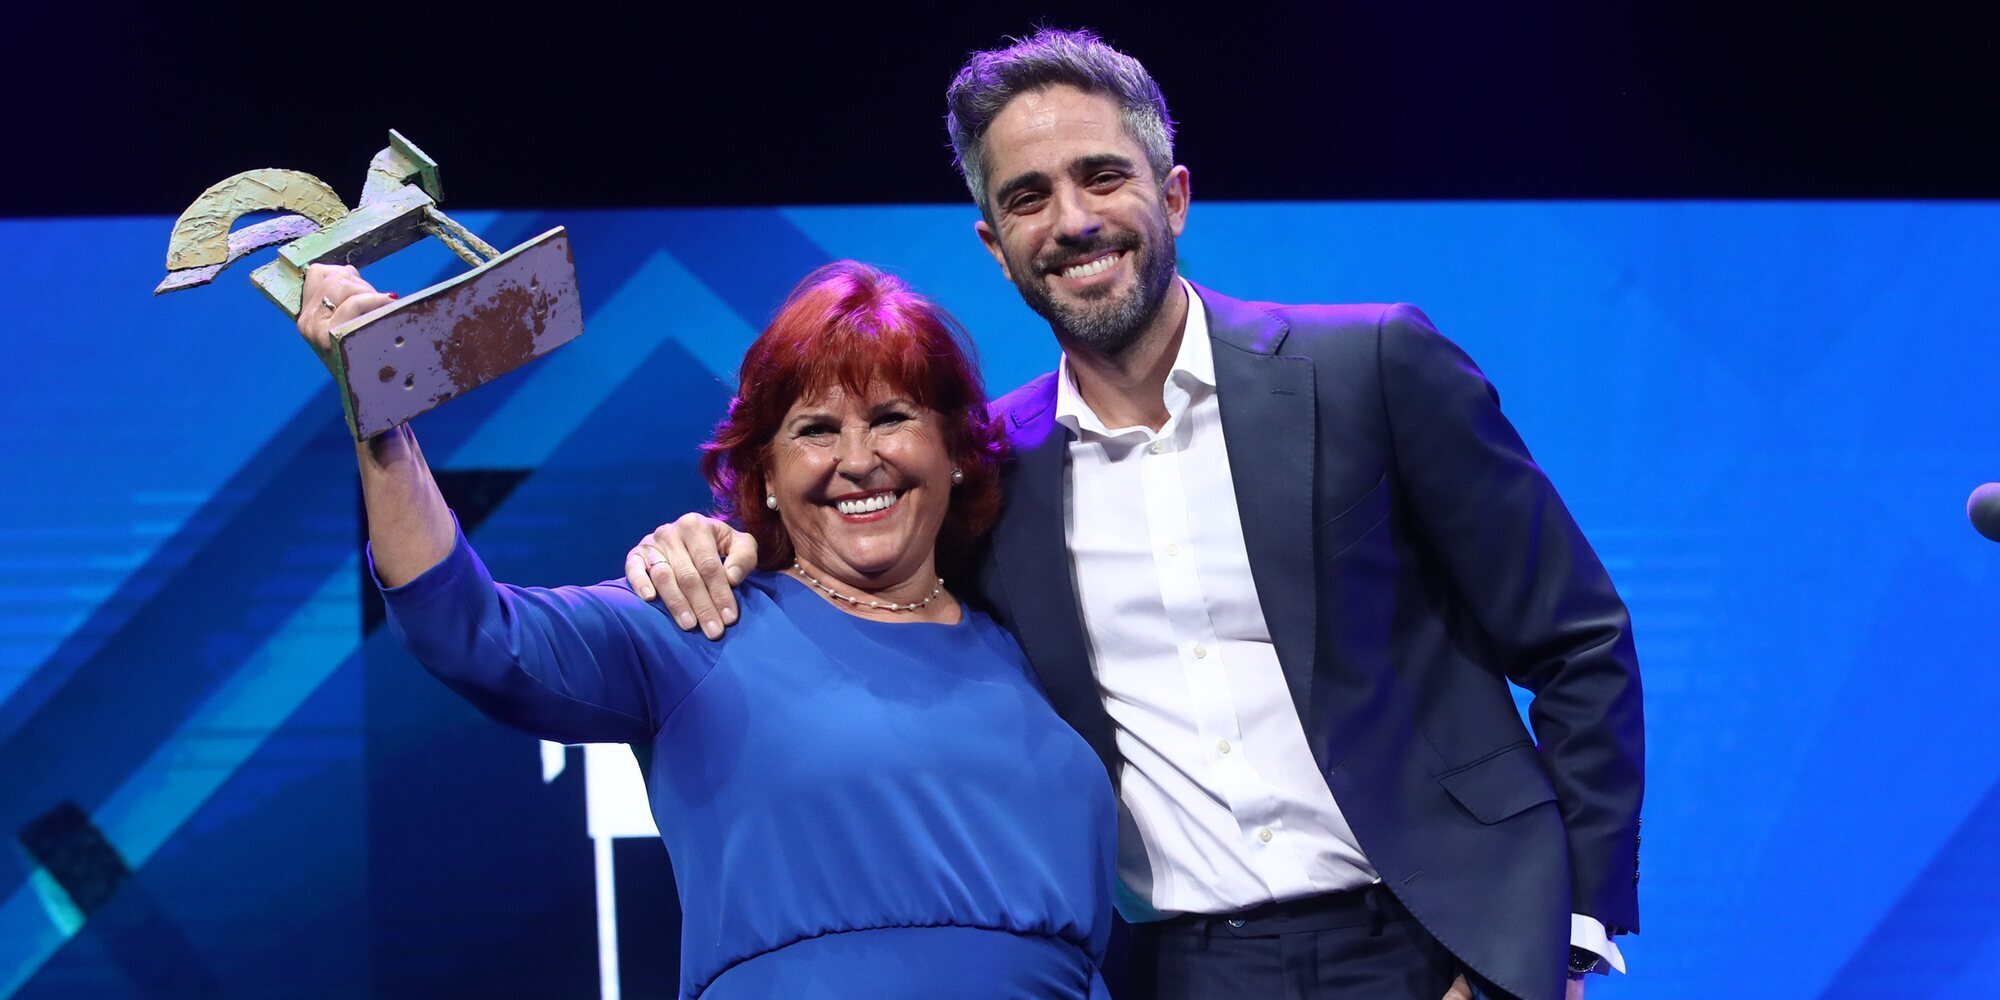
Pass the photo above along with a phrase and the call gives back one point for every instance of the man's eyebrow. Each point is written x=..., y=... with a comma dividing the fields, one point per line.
x=1098, y=161
x=1031, y=179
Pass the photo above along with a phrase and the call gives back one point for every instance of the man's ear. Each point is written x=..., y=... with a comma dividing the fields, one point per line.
x=1174, y=193
x=991, y=241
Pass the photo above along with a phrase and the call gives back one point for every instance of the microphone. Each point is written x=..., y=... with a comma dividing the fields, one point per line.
x=1984, y=509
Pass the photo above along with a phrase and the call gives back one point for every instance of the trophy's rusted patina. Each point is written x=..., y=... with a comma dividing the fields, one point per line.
x=427, y=347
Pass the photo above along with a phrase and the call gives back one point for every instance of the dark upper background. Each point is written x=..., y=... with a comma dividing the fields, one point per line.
x=135, y=112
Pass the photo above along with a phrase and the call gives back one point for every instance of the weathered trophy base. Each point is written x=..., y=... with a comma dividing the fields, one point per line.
x=457, y=335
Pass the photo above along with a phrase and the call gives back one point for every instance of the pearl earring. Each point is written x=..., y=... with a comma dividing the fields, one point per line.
x=771, y=500
x=957, y=476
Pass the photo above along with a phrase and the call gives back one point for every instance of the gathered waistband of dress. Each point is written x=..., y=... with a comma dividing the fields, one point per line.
x=925, y=960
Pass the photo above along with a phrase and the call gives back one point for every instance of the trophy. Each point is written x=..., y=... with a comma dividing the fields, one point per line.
x=423, y=349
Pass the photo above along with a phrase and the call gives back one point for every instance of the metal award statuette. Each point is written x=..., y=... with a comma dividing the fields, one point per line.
x=408, y=357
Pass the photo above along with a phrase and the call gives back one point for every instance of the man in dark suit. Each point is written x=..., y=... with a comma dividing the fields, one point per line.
x=1278, y=564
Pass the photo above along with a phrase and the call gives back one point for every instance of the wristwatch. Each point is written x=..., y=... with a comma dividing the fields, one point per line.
x=1583, y=961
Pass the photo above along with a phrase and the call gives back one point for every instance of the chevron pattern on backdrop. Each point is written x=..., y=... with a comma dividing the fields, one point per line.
x=220, y=778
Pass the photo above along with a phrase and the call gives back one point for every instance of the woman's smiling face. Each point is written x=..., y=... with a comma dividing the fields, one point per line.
x=863, y=483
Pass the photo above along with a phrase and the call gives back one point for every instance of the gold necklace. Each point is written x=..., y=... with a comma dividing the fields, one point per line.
x=877, y=605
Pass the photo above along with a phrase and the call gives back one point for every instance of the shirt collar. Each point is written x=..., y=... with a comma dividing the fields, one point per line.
x=1194, y=366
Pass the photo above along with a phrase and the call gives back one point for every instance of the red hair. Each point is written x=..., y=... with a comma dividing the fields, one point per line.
x=848, y=324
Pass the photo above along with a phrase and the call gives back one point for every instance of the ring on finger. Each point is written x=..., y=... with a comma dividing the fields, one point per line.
x=656, y=562
x=328, y=303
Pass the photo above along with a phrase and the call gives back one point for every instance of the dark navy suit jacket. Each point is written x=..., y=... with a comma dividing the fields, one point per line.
x=1411, y=559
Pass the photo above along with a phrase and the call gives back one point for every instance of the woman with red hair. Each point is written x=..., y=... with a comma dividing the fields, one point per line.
x=862, y=790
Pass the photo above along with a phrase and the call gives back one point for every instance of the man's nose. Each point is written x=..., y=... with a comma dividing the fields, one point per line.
x=1076, y=214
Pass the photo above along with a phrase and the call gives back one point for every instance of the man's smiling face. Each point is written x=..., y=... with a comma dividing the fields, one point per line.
x=1076, y=219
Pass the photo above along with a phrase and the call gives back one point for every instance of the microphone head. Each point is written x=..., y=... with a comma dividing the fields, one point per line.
x=1984, y=510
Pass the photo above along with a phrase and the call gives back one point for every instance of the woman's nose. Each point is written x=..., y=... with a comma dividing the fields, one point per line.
x=855, y=456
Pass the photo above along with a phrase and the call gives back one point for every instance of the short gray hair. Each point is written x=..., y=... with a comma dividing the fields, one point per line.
x=1049, y=57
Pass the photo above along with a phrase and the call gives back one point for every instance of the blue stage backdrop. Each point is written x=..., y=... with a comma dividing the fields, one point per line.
x=220, y=777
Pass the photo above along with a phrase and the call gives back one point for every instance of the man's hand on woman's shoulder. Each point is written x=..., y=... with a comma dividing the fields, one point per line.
x=689, y=566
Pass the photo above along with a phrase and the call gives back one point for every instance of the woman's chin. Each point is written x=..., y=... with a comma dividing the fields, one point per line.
x=871, y=575
x=871, y=570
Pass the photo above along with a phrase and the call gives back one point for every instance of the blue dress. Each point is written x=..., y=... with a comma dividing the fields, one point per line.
x=854, y=808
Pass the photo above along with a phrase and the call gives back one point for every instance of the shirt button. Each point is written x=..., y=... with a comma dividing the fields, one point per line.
x=1200, y=651
x=1221, y=746
x=1264, y=834
x=1172, y=549
x=1155, y=448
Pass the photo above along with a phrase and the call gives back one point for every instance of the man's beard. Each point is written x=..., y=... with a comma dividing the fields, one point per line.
x=1111, y=324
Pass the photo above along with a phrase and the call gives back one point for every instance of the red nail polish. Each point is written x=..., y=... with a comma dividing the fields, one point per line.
x=395, y=295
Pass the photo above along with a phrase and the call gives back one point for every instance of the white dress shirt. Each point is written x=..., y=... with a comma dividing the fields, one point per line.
x=1221, y=805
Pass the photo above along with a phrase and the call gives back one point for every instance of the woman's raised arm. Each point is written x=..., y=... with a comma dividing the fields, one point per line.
x=409, y=527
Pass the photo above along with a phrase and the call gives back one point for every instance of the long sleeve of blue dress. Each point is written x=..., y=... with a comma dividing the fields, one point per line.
x=569, y=664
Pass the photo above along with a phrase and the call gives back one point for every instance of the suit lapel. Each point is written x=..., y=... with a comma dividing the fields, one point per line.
x=1269, y=419
x=1269, y=416
x=1032, y=553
